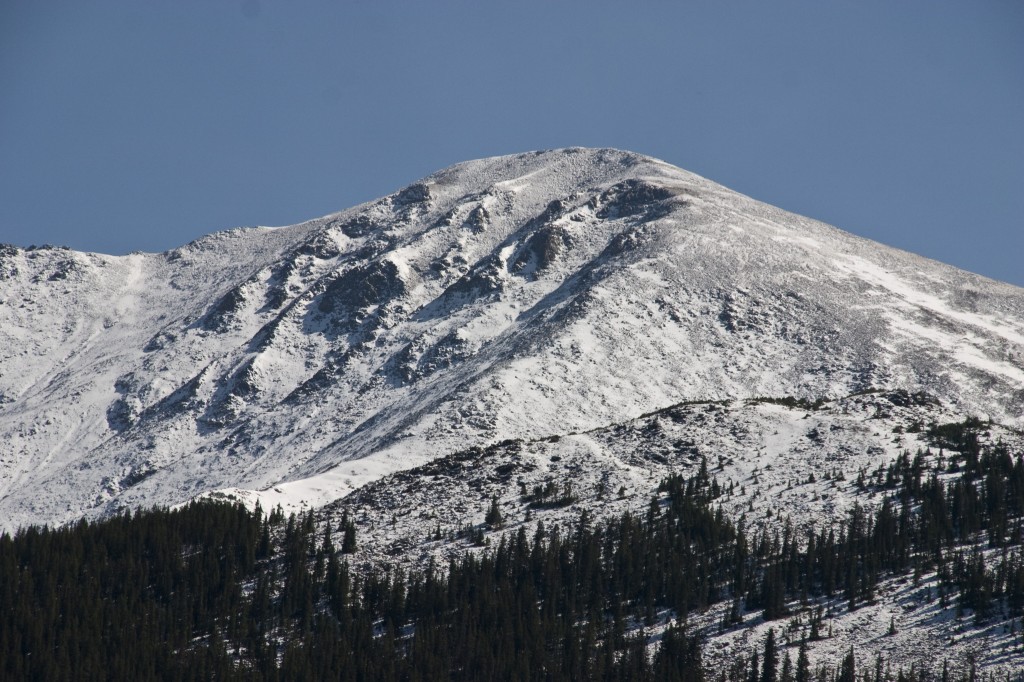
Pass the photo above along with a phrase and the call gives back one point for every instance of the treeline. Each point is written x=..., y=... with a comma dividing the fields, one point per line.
x=213, y=591
x=936, y=518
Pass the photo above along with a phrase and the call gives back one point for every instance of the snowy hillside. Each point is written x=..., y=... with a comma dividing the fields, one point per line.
x=780, y=462
x=517, y=297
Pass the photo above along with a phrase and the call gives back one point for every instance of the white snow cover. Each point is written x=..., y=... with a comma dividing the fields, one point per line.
x=515, y=297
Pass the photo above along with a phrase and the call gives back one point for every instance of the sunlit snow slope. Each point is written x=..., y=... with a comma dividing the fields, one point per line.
x=518, y=296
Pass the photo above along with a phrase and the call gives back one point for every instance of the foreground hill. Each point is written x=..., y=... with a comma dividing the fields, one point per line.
x=922, y=581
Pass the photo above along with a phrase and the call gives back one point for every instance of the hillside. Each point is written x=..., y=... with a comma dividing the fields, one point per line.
x=516, y=297
x=534, y=346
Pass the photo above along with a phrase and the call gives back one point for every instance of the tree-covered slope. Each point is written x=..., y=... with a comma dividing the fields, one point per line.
x=218, y=591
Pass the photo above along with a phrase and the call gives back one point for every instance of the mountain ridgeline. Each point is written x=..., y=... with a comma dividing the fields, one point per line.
x=514, y=297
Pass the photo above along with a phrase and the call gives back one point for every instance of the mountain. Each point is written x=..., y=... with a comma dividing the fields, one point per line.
x=519, y=297
x=547, y=341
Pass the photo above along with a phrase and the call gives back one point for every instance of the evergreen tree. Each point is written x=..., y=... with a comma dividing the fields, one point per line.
x=803, y=664
x=348, y=538
x=494, y=518
x=770, y=664
x=787, y=669
x=848, y=670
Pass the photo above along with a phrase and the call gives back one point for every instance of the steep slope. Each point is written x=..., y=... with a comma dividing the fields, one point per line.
x=515, y=297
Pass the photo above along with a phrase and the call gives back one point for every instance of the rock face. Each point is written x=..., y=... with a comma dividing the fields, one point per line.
x=521, y=297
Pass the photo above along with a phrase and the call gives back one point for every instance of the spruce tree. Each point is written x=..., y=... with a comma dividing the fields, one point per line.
x=803, y=664
x=348, y=538
x=769, y=667
x=848, y=669
x=787, y=669
x=494, y=518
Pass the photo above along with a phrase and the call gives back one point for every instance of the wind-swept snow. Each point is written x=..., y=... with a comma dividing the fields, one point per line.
x=523, y=296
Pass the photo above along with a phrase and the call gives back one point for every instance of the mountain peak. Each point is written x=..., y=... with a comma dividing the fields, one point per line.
x=521, y=296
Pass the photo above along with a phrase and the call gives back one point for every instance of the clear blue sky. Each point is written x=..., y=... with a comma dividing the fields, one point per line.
x=142, y=125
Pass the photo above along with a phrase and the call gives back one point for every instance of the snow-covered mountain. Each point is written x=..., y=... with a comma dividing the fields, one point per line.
x=521, y=297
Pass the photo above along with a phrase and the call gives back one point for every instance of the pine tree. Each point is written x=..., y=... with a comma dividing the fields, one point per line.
x=494, y=518
x=848, y=669
x=769, y=668
x=348, y=538
x=803, y=664
x=787, y=669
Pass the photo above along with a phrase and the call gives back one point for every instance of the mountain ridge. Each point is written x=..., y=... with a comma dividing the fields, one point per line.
x=522, y=296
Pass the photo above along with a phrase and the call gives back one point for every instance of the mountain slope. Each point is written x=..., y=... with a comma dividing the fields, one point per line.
x=786, y=468
x=515, y=297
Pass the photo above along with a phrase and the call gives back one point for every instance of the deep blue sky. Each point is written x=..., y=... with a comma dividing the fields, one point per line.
x=142, y=125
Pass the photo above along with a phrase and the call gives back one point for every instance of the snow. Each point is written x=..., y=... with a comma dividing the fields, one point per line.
x=876, y=275
x=764, y=449
x=563, y=300
x=232, y=364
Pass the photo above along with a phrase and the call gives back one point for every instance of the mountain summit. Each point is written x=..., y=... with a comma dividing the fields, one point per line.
x=523, y=296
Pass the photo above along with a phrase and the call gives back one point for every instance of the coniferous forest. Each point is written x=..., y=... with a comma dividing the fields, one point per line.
x=214, y=591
